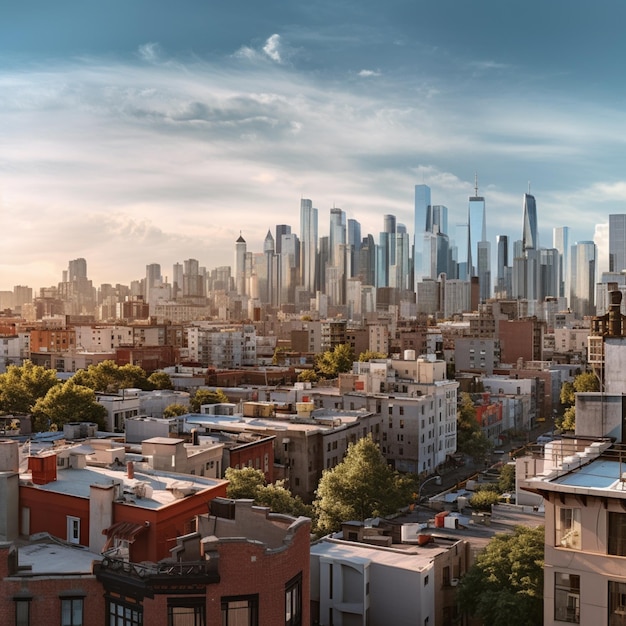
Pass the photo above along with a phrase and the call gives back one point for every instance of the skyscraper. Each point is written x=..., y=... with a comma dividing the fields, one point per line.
x=617, y=243
x=529, y=230
x=240, y=265
x=479, y=253
x=308, y=245
x=560, y=241
x=583, y=278
x=423, y=220
x=503, y=271
x=281, y=229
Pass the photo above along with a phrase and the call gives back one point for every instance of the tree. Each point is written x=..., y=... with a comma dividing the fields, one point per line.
x=332, y=362
x=470, y=438
x=506, y=482
x=108, y=377
x=280, y=500
x=174, y=410
x=585, y=382
x=249, y=483
x=21, y=386
x=505, y=584
x=369, y=355
x=160, y=380
x=244, y=482
x=68, y=402
x=206, y=396
x=307, y=376
x=483, y=500
x=361, y=486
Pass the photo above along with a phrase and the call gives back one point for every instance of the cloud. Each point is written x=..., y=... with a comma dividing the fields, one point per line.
x=272, y=48
x=149, y=52
x=369, y=73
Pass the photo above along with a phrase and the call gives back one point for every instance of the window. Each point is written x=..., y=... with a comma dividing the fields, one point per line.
x=567, y=598
x=186, y=612
x=240, y=611
x=568, y=528
x=293, y=601
x=617, y=602
x=617, y=534
x=124, y=613
x=73, y=529
x=72, y=612
x=22, y=611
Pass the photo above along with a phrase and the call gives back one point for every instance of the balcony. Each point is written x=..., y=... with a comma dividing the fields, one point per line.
x=147, y=579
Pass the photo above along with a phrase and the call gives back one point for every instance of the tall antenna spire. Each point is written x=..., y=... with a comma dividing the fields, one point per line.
x=528, y=187
x=476, y=184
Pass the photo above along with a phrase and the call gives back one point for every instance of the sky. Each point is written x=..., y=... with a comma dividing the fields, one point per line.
x=147, y=131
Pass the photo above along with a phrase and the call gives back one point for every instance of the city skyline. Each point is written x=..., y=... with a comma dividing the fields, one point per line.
x=128, y=141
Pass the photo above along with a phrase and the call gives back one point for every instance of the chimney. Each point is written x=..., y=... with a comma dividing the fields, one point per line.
x=130, y=469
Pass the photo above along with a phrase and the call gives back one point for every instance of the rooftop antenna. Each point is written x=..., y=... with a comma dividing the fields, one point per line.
x=476, y=184
x=528, y=187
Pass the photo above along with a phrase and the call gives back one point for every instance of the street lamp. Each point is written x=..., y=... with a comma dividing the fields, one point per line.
x=437, y=480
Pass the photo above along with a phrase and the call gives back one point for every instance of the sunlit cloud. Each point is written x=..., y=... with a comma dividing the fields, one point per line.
x=369, y=73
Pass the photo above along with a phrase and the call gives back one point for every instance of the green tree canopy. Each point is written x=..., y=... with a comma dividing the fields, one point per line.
x=505, y=584
x=307, y=376
x=330, y=363
x=483, y=500
x=108, y=377
x=160, y=380
x=244, y=482
x=469, y=436
x=361, y=486
x=585, y=382
x=506, y=482
x=206, y=396
x=369, y=355
x=21, y=386
x=249, y=483
x=68, y=402
x=173, y=410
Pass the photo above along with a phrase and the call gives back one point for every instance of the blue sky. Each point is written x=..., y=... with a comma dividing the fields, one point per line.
x=143, y=131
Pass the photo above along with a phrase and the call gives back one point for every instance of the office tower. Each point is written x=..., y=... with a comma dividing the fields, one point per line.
x=308, y=246
x=423, y=219
x=269, y=293
x=153, y=278
x=479, y=253
x=193, y=279
x=386, y=254
x=177, y=280
x=366, y=268
x=400, y=273
x=323, y=261
x=389, y=227
x=502, y=288
x=281, y=229
x=77, y=269
x=240, y=265
x=550, y=261
x=439, y=217
x=529, y=230
x=582, y=278
x=354, y=241
x=560, y=241
x=461, y=242
x=22, y=295
x=617, y=243
x=337, y=233
x=288, y=274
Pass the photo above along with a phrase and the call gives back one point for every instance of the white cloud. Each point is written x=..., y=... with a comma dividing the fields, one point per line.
x=369, y=73
x=272, y=48
x=149, y=52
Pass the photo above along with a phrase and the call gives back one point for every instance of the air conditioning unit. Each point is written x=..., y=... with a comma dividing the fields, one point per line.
x=454, y=582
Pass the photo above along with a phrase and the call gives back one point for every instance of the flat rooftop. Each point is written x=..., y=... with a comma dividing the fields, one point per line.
x=166, y=488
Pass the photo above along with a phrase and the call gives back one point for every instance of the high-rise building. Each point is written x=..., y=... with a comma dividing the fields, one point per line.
x=503, y=276
x=281, y=229
x=269, y=294
x=354, y=241
x=153, y=278
x=308, y=245
x=582, y=278
x=479, y=249
x=289, y=258
x=423, y=219
x=529, y=230
x=617, y=243
x=337, y=233
x=240, y=265
x=560, y=241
